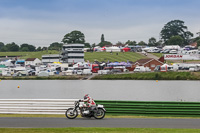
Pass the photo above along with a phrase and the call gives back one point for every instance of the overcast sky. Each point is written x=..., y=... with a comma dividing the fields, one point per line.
x=42, y=22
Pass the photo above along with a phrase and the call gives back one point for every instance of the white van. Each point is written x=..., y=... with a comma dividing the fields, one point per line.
x=87, y=71
x=70, y=71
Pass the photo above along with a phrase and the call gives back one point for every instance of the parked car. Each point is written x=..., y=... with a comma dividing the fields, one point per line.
x=104, y=72
x=79, y=72
x=173, y=51
x=165, y=51
x=87, y=71
x=157, y=68
x=157, y=51
x=31, y=72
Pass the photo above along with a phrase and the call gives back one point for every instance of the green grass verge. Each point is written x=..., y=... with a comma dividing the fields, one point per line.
x=56, y=77
x=96, y=130
x=151, y=76
x=158, y=54
x=129, y=76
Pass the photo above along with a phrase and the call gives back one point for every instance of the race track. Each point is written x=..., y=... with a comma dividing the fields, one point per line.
x=16, y=122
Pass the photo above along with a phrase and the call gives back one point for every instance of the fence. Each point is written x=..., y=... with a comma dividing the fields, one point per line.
x=59, y=106
x=145, y=108
x=35, y=106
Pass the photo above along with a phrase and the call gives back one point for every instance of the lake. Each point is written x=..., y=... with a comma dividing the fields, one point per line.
x=134, y=90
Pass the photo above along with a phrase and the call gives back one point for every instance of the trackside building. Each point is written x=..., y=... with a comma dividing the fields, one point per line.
x=72, y=53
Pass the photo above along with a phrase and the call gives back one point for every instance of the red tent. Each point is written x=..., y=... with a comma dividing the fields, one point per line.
x=126, y=49
x=103, y=48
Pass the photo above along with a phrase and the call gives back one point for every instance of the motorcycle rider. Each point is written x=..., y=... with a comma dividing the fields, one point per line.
x=89, y=102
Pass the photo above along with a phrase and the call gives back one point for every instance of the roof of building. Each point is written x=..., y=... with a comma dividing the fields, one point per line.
x=30, y=59
x=144, y=61
x=194, y=44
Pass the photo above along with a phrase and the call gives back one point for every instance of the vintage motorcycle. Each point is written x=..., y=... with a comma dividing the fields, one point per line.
x=98, y=112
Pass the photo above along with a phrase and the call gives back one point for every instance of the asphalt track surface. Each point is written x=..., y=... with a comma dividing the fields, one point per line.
x=16, y=122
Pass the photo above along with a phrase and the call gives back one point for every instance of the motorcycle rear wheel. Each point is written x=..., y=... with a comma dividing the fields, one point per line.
x=99, y=114
x=70, y=114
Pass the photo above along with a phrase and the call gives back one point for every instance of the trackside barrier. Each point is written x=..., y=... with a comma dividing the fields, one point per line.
x=59, y=106
x=35, y=106
x=148, y=108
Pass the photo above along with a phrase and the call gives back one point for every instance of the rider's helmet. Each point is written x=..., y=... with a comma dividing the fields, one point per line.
x=86, y=96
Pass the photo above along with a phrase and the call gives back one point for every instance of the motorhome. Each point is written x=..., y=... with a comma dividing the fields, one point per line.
x=113, y=49
x=141, y=69
x=175, y=47
x=194, y=68
x=152, y=49
x=166, y=67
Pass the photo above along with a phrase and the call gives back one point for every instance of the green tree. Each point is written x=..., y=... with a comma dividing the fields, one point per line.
x=1, y=45
x=119, y=43
x=55, y=46
x=175, y=40
x=101, y=44
x=12, y=47
x=74, y=37
x=174, y=28
x=27, y=47
x=142, y=43
x=198, y=44
x=93, y=45
x=131, y=42
x=87, y=45
x=152, y=42
x=196, y=39
x=198, y=33
x=4, y=49
x=39, y=49
x=24, y=49
x=102, y=38
x=44, y=48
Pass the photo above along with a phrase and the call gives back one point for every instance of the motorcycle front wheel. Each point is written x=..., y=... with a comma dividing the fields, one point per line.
x=71, y=113
x=99, y=114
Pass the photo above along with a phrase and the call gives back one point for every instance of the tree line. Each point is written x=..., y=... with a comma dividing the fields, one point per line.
x=173, y=33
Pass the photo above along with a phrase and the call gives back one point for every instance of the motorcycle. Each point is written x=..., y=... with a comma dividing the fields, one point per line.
x=98, y=112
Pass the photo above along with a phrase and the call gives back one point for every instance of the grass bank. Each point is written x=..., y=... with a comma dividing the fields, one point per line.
x=96, y=130
x=73, y=77
x=151, y=76
x=89, y=56
x=25, y=55
x=115, y=56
